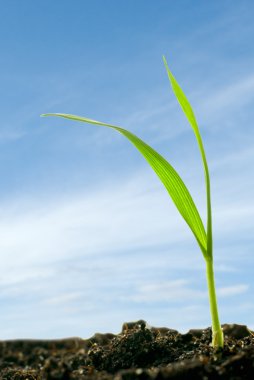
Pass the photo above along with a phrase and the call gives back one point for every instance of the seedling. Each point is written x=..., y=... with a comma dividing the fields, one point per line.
x=179, y=194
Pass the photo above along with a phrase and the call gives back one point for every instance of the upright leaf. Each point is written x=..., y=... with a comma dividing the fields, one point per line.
x=187, y=109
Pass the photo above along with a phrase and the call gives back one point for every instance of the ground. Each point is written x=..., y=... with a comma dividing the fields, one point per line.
x=138, y=352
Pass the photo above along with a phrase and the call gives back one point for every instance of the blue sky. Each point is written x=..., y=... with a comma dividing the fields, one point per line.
x=89, y=238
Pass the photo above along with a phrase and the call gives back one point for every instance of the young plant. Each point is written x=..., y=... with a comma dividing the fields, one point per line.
x=179, y=193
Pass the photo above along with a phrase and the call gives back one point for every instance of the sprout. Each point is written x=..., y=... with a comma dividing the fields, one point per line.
x=179, y=194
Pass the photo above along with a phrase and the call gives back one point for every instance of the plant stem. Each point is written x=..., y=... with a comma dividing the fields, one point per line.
x=218, y=338
x=217, y=332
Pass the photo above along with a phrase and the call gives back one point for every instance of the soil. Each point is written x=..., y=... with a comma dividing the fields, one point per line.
x=138, y=352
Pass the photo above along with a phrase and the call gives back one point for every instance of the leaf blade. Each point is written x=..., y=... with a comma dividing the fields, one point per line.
x=167, y=174
x=188, y=111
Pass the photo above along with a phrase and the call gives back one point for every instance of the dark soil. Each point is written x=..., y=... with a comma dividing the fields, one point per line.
x=138, y=352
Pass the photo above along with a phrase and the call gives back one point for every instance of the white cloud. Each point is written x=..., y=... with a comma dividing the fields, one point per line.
x=40, y=239
x=64, y=299
x=126, y=215
x=232, y=290
x=236, y=94
x=178, y=290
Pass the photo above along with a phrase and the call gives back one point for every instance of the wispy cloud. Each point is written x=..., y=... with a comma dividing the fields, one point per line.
x=178, y=290
x=90, y=221
x=232, y=290
x=9, y=134
x=227, y=98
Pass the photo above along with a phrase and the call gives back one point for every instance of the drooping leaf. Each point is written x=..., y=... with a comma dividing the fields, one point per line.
x=168, y=176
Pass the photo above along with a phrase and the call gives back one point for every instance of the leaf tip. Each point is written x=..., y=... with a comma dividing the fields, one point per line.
x=48, y=114
x=164, y=60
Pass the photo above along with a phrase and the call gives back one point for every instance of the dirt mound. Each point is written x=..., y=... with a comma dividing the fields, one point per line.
x=138, y=352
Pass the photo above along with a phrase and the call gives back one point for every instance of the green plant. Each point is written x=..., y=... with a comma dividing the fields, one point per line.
x=179, y=193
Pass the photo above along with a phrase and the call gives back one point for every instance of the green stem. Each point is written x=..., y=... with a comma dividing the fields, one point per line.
x=218, y=338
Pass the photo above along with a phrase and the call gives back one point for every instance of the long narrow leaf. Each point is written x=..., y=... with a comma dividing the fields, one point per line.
x=187, y=109
x=167, y=174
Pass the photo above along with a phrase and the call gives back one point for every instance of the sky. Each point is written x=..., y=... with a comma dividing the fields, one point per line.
x=89, y=238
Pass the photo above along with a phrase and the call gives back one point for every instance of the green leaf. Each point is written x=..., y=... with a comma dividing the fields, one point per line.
x=187, y=109
x=168, y=176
